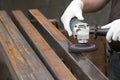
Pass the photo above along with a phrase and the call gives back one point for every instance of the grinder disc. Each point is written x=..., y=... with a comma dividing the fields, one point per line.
x=82, y=47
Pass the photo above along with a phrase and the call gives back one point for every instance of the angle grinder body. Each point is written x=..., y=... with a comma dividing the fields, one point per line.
x=81, y=32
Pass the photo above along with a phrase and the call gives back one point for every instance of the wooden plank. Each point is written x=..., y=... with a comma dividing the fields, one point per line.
x=52, y=61
x=81, y=66
x=21, y=59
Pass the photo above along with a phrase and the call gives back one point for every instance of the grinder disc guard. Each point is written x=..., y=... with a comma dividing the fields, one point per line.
x=82, y=47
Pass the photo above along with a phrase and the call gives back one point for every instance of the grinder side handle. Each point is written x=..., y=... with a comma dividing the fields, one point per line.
x=97, y=31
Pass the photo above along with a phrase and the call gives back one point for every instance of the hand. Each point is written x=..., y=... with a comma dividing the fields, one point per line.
x=114, y=30
x=73, y=10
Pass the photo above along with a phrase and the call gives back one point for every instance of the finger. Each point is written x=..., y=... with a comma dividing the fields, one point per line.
x=79, y=15
x=119, y=38
x=109, y=35
x=67, y=26
x=106, y=26
x=115, y=36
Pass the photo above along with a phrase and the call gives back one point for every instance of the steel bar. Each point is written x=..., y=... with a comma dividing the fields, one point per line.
x=43, y=50
x=22, y=61
x=80, y=65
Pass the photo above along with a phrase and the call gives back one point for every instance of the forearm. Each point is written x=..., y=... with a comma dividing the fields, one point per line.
x=93, y=5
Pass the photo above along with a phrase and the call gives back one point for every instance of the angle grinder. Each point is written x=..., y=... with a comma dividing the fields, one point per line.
x=81, y=31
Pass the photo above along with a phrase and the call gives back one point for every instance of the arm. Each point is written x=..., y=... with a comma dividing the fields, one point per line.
x=114, y=29
x=93, y=5
x=77, y=7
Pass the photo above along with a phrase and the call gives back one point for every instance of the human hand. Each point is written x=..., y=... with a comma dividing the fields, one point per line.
x=114, y=30
x=73, y=10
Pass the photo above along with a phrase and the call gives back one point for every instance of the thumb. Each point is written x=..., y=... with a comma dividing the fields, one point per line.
x=79, y=16
x=67, y=26
x=106, y=26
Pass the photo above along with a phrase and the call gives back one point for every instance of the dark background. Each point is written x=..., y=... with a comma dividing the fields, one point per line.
x=53, y=9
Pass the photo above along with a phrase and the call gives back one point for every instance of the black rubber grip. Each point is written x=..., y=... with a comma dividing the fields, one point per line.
x=99, y=32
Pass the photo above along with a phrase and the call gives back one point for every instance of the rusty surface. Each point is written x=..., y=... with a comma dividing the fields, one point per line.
x=50, y=27
x=52, y=61
x=99, y=56
x=22, y=61
x=81, y=66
